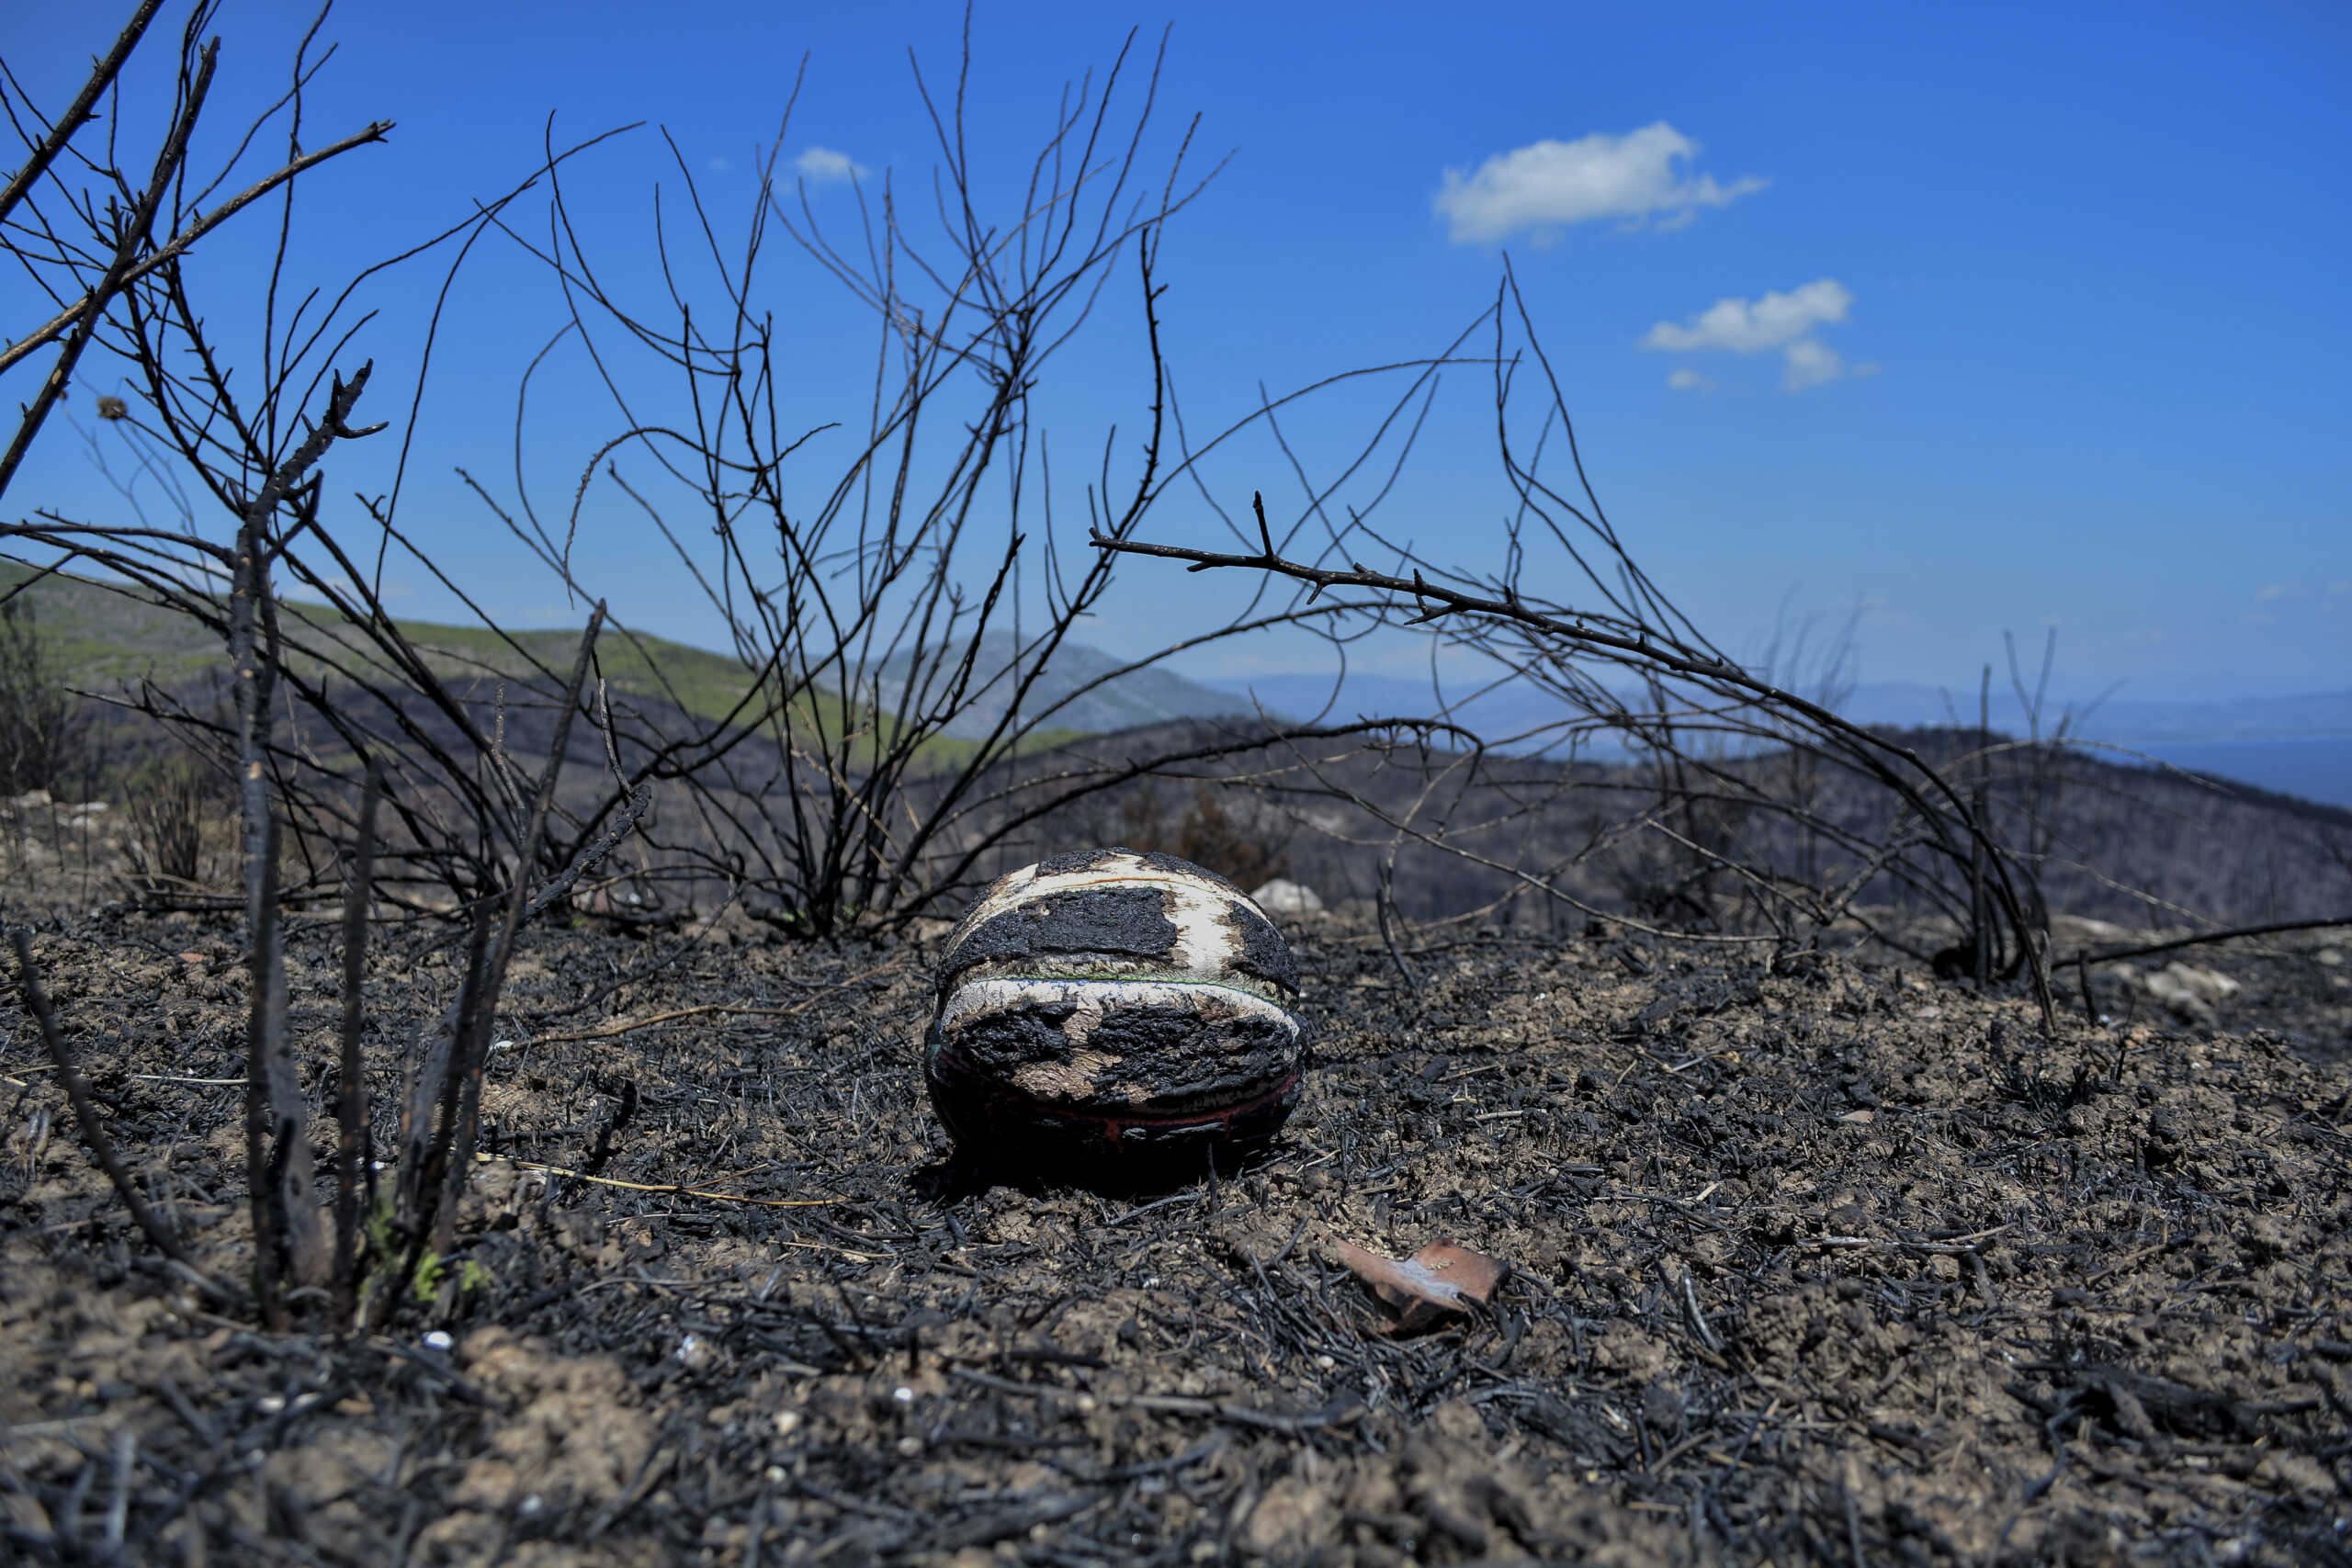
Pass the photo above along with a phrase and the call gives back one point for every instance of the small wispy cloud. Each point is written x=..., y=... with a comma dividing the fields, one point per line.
x=1639, y=178
x=721, y=165
x=1689, y=380
x=1785, y=323
x=335, y=586
x=1750, y=326
x=1809, y=363
x=390, y=589
x=822, y=166
x=1882, y=612
x=2271, y=593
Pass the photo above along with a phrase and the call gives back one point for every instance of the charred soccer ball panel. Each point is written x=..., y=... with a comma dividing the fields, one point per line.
x=1263, y=952
x=1072, y=922
x=1110, y=1007
x=1150, y=1047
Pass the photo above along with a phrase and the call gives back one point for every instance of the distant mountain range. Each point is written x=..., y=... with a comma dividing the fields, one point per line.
x=2299, y=746
x=101, y=637
x=2121, y=718
x=1151, y=697
x=1121, y=702
x=2118, y=720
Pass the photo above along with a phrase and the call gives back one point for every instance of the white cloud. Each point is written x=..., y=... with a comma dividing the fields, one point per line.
x=1689, y=380
x=1810, y=363
x=1783, y=322
x=2270, y=591
x=303, y=593
x=1633, y=177
x=1745, y=326
x=391, y=589
x=822, y=166
x=1881, y=611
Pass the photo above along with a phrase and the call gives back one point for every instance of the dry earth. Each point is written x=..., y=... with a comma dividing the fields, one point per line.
x=1812, y=1260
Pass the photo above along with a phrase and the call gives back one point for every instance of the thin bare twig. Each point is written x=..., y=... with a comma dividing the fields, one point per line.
x=352, y=1149
x=2203, y=939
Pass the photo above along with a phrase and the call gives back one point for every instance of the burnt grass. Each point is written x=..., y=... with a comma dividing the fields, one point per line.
x=1813, y=1260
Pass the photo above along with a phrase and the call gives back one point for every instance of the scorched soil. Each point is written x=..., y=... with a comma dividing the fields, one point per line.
x=1809, y=1260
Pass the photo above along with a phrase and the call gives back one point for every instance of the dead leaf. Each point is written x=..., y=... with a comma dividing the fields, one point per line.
x=1442, y=1277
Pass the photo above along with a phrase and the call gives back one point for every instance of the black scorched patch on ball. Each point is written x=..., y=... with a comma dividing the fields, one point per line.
x=1263, y=952
x=1078, y=861
x=1175, y=1060
x=1165, y=1057
x=1127, y=922
x=1001, y=1041
x=1146, y=1144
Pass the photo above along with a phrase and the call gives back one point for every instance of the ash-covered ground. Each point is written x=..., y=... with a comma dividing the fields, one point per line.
x=1810, y=1260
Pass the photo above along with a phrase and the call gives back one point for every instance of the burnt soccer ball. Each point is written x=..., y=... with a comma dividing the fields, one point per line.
x=1111, y=1010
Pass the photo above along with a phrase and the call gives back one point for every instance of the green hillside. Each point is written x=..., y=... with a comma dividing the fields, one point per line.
x=95, y=638
x=98, y=637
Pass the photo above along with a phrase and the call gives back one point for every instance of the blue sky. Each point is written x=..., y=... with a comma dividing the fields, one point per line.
x=1963, y=319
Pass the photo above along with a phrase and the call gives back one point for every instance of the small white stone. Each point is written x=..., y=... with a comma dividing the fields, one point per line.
x=1283, y=896
x=437, y=1339
x=531, y=1504
x=270, y=1403
x=903, y=1396
x=786, y=1423
x=910, y=1447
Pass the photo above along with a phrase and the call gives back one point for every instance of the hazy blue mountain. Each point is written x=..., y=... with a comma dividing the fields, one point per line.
x=2122, y=718
x=1509, y=710
x=1140, y=697
x=2297, y=745
x=2126, y=717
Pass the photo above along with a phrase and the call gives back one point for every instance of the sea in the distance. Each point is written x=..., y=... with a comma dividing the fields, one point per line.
x=2316, y=767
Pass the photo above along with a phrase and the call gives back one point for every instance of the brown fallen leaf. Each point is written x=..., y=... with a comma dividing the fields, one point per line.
x=1440, y=1278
